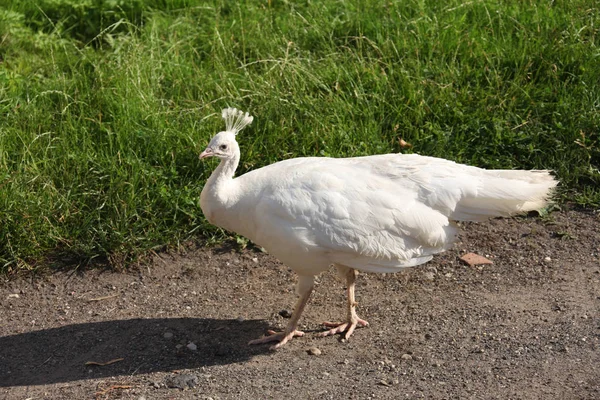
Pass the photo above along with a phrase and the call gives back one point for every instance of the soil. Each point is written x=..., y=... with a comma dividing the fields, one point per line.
x=525, y=327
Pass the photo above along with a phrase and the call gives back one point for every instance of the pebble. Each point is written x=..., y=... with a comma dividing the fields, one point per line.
x=383, y=382
x=547, y=259
x=192, y=346
x=429, y=276
x=313, y=351
x=255, y=260
x=406, y=357
x=13, y=296
x=473, y=259
x=168, y=335
x=285, y=313
x=222, y=351
x=240, y=319
x=182, y=381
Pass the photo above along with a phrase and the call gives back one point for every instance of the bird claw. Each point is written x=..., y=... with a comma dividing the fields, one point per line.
x=281, y=337
x=347, y=327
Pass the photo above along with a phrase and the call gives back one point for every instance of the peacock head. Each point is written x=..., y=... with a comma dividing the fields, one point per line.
x=223, y=144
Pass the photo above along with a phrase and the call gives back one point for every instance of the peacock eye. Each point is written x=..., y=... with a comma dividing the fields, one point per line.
x=223, y=147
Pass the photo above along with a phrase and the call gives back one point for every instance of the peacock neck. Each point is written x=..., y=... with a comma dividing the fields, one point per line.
x=222, y=177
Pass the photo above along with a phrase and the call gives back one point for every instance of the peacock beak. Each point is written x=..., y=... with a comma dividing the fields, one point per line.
x=207, y=153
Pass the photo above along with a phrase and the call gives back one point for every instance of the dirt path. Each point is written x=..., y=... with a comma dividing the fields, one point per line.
x=525, y=327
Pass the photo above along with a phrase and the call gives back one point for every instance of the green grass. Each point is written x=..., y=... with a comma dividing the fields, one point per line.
x=105, y=104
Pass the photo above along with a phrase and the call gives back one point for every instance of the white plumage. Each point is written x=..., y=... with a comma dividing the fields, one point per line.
x=374, y=214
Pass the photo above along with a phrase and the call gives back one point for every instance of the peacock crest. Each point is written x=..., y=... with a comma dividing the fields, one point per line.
x=236, y=120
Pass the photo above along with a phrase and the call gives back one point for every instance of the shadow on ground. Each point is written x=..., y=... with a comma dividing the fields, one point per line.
x=60, y=354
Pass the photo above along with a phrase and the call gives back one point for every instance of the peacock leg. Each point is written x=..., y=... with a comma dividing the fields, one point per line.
x=352, y=320
x=305, y=288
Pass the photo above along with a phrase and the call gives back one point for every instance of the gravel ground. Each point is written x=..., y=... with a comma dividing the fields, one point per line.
x=525, y=327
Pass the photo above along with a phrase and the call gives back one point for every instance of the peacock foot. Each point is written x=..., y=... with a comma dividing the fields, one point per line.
x=347, y=327
x=281, y=337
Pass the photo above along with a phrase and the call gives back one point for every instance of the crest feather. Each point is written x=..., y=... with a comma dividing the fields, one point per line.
x=236, y=120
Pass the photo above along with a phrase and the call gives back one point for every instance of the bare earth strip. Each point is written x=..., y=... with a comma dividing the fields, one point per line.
x=525, y=327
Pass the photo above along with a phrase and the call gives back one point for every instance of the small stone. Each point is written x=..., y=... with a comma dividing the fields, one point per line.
x=222, y=351
x=192, y=346
x=255, y=260
x=313, y=351
x=285, y=313
x=547, y=259
x=383, y=382
x=406, y=357
x=428, y=276
x=427, y=336
x=240, y=319
x=179, y=346
x=168, y=335
x=13, y=296
x=473, y=259
x=182, y=381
